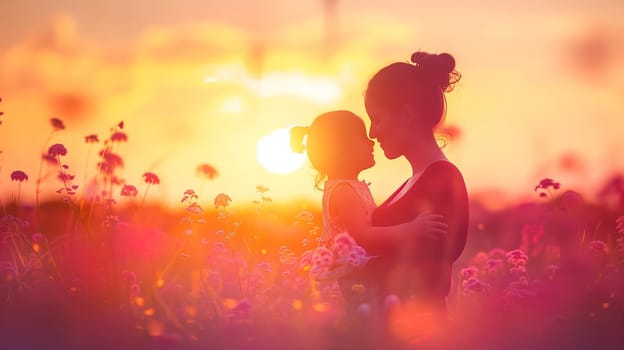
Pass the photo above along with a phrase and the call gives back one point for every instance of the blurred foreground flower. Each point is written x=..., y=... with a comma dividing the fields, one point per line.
x=207, y=171
x=57, y=124
x=57, y=150
x=151, y=178
x=93, y=138
x=129, y=191
x=222, y=200
x=19, y=175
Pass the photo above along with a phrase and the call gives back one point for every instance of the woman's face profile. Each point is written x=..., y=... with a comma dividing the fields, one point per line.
x=389, y=128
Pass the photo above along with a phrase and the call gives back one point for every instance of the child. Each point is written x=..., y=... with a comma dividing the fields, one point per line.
x=339, y=149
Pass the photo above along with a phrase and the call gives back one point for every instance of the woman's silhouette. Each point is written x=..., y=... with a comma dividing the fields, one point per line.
x=405, y=103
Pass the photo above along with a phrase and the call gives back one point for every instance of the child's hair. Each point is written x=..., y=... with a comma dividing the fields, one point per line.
x=327, y=140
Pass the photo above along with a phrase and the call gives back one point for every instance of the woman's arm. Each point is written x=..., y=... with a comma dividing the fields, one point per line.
x=443, y=187
x=349, y=212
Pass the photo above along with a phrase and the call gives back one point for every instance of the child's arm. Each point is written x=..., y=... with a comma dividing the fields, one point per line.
x=346, y=206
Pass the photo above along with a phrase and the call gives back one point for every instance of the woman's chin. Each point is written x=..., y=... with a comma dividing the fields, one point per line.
x=391, y=154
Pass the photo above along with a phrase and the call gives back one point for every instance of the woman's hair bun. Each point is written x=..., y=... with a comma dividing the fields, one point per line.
x=440, y=68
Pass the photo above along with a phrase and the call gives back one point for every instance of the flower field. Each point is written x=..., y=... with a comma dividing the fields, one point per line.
x=102, y=267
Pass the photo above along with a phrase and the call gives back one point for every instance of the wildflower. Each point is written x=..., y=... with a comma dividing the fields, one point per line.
x=93, y=138
x=110, y=161
x=306, y=259
x=473, y=285
x=551, y=271
x=207, y=171
x=19, y=175
x=222, y=200
x=189, y=195
x=518, y=270
x=219, y=248
x=128, y=276
x=243, y=308
x=129, y=191
x=497, y=253
x=194, y=208
x=37, y=237
x=598, y=248
x=545, y=184
x=57, y=150
x=304, y=217
x=119, y=136
x=57, y=124
x=493, y=265
x=469, y=272
x=517, y=257
x=65, y=177
x=261, y=189
x=135, y=289
x=264, y=267
x=620, y=225
x=479, y=259
x=343, y=243
x=151, y=178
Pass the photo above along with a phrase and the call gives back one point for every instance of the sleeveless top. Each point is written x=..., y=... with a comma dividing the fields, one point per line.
x=330, y=227
x=338, y=254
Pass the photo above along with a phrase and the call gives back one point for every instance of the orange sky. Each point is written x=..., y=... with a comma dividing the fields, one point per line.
x=538, y=83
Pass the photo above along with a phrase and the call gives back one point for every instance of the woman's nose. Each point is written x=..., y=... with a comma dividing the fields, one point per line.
x=372, y=132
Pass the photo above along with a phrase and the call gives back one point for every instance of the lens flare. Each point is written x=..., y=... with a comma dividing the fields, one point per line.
x=275, y=155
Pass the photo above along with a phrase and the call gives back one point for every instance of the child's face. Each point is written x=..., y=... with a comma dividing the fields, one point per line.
x=361, y=150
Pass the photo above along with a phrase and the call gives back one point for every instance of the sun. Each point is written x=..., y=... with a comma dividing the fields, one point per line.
x=274, y=153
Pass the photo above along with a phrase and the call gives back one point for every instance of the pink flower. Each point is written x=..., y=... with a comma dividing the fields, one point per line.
x=497, y=253
x=57, y=150
x=207, y=171
x=19, y=175
x=65, y=177
x=599, y=248
x=129, y=191
x=151, y=178
x=57, y=124
x=119, y=136
x=620, y=225
x=343, y=243
x=93, y=138
x=37, y=237
x=110, y=162
x=194, y=208
x=468, y=272
x=222, y=200
x=473, y=285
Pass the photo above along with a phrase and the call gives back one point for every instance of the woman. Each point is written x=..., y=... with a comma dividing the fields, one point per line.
x=405, y=103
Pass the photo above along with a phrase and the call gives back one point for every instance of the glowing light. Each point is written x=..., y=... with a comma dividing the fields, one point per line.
x=274, y=153
x=298, y=84
x=229, y=303
x=319, y=89
x=321, y=307
x=297, y=305
x=233, y=105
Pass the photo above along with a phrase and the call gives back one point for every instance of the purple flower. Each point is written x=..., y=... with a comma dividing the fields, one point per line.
x=19, y=175
x=57, y=150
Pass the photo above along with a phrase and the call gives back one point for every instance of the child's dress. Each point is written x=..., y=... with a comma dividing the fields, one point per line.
x=338, y=252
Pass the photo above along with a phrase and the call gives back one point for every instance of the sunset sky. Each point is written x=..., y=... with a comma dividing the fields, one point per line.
x=542, y=93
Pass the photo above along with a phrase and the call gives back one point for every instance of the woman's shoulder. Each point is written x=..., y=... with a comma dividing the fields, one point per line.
x=442, y=170
x=441, y=176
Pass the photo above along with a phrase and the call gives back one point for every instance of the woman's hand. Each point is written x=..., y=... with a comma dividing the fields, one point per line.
x=427, y=225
